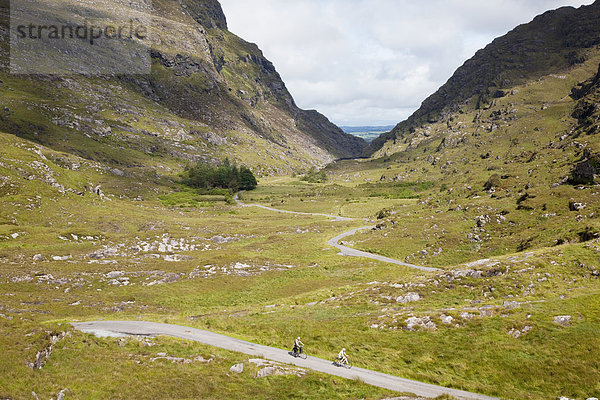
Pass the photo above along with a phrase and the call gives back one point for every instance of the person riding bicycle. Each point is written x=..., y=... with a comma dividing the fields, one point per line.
x=342, y=357
x=298, y=345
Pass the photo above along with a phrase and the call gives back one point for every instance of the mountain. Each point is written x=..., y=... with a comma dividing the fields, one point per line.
x=208, y=94
x=511, y=142
x=552, y=42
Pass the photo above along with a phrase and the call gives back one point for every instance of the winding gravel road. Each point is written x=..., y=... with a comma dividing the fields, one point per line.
x=334, y=217
x=335, y=242
x=350, y=252
x=390, y=382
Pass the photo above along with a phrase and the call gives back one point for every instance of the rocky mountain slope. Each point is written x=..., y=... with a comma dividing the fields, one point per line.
x=552, y=42
x=209, y=95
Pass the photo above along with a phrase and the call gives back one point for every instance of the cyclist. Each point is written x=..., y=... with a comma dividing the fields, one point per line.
x=298, y=345
x=342, y=357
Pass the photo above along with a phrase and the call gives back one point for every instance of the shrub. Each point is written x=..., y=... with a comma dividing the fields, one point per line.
x=314, y=176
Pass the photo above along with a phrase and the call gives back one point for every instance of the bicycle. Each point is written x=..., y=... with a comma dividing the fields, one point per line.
x=298, y=352
x=338, y=362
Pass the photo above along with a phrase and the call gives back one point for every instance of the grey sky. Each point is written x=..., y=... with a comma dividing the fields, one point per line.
x=372, y=62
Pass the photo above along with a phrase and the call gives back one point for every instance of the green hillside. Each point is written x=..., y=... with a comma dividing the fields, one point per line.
x=498, y=192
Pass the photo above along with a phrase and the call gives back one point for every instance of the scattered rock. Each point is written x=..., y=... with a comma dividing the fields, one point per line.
x=563, y=320
x=413, y=323
x=104, y=253
x=38, y=257
x=482, y=220
x=467, y=316
x=43, y=355
x=518, y=333
x=446, y=319
x=511, y=305
x=409, y=298
x=61, y=395
x=180, y=360
x=272, y=368
x=237, y=368
x=221, y=239
x=114, y=274
x=573, y=206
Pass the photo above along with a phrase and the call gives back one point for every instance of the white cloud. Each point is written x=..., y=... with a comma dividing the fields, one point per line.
x=366, y=62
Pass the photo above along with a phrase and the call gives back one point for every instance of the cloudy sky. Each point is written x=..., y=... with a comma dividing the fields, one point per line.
x=372, y=62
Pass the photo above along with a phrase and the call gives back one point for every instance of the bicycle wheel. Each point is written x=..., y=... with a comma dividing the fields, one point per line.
x=348, y=365
x=303, y=355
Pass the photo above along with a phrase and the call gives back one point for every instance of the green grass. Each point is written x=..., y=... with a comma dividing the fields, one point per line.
x=294, y=283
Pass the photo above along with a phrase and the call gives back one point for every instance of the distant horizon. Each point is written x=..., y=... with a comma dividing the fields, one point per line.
x=373, y=62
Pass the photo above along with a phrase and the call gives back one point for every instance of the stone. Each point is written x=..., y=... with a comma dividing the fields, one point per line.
x=446, y=319
x=38, y=257
x=584, y=173
x=61, y=395
x=466, y=315
x=563, y=320
x=114, y=274
x=409, y=298
x=266, y=371
x=221, y=239
x=573, y=206
x=413, y=323
x=237, y=368
x=510, y=305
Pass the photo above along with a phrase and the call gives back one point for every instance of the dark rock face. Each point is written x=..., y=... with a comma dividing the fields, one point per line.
x=209, y=95
x=587, y=111
x=550, y=42
x=207, y=13
x=586, y=171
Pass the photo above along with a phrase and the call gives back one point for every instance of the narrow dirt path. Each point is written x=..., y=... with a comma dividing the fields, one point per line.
x=390, y=382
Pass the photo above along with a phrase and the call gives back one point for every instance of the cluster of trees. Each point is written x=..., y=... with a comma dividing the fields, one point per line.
x=226, y=175
x=315, y=176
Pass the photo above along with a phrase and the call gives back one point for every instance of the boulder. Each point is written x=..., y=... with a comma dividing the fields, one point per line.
x=114, y=274
x=574, y=206
x=563, y=320
x=413, y=323
x=266, y=371
x=409, y=298
x=237, y=368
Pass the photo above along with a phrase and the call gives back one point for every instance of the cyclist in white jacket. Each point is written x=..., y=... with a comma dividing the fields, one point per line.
x=298, y=345
x=342, y=357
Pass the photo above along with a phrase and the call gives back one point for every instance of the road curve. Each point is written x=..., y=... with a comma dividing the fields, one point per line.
x=350, y=252
x=334, y=217
x=344, y=250
x=373, y=378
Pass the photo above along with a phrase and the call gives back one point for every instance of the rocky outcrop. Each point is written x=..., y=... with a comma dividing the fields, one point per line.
x=519, y=56
x=43, y=355
x=586, y=171
x=587, y=110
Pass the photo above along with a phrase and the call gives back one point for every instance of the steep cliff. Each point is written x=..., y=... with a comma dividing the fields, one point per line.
x=209, y=94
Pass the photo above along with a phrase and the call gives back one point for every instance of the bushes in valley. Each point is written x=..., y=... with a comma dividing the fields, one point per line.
x=226, y=175
x=315, y=176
